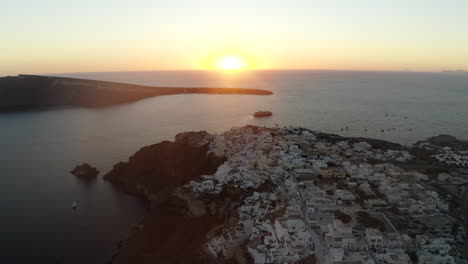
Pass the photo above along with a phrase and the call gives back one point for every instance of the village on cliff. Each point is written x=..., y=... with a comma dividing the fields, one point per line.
x=318, y=200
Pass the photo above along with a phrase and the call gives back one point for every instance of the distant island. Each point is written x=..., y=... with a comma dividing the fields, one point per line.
x=456, y=72
x=292, y=195
x=29, y=92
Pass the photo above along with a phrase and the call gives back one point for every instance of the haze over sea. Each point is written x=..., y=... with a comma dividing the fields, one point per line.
x=417, y=105
x=39, y=148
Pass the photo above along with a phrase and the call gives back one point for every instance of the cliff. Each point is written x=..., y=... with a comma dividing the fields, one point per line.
x=29, y=92
x=155, y=171
x=168, y=234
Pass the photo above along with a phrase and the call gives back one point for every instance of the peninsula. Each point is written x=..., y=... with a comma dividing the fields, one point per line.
x=293, y=195
x=29, y=92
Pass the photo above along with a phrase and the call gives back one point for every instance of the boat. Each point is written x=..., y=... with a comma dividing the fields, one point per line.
x=263, y=114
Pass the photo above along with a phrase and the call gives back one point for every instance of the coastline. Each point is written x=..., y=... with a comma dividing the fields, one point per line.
x=30, y=92
x=186, y=210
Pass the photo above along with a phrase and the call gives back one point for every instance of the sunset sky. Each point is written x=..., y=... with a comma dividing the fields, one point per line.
x=112, y=35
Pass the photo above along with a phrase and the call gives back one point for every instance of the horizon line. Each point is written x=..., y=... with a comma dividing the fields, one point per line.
x=249, y=70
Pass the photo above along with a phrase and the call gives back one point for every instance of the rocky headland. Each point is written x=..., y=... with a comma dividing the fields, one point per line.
x=287, y=195
x=30, y=92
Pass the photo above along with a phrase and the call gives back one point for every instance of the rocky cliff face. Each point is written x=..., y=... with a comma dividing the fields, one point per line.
x=176, y=224
x=155, y=171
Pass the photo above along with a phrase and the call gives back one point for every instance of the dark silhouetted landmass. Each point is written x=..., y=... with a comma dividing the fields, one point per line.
x=154, y=171
x=29, y=92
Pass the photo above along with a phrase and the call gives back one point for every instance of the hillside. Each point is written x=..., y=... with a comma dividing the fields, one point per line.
x=29, y=92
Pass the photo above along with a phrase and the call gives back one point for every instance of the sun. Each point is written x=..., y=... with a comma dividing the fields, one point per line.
x=232, y=62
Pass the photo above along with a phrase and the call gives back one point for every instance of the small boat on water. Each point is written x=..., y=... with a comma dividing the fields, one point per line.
x=74, y=205
x=262, y=114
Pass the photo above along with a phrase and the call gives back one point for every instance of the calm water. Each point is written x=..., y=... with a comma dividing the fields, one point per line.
x=39, y=148
x=417, y=105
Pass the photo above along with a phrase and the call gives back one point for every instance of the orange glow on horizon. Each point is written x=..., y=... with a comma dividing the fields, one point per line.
x=229, y=62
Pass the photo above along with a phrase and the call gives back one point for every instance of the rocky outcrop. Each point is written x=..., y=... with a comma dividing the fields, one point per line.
x=446, y=141
x=27, y=92
x=155, y=171
x=177, y=223
x=85, y=171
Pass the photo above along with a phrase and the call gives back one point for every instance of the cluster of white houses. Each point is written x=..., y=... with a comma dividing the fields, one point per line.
x=455, y=158
x=328, y=202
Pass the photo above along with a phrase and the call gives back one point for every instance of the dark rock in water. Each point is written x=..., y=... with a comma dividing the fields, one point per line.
x=263, y=114
x=85, y=171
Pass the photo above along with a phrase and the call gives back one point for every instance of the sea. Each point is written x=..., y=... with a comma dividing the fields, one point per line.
x=39, y=148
